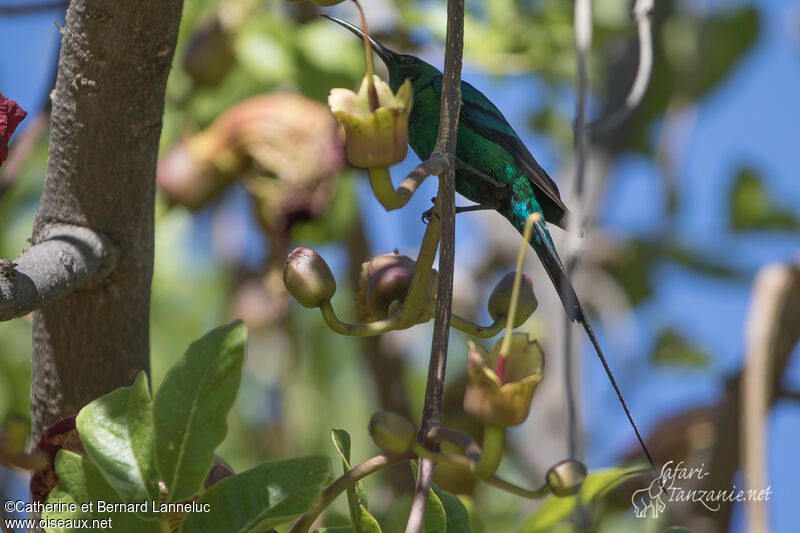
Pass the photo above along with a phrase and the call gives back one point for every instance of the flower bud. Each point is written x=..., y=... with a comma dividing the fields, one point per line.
x=376, y=138
x=391, y=431
x=565, y=478
x=386, y=279
x=308, y=277
x=500, y=299
x=500, y=386
x=209, y=55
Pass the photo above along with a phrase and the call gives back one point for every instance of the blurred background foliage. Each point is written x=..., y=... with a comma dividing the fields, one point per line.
x=223, y=257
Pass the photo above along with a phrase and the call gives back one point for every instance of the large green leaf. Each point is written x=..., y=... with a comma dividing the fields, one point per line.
x=117, y=432
x=554, y=509
x=266, y=496
x=83, y=494
x=191, y=407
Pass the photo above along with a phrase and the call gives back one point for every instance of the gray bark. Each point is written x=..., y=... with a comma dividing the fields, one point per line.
x=67, y=259
x=105, y=128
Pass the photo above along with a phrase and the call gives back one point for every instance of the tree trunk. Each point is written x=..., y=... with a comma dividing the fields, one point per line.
x=105, y=128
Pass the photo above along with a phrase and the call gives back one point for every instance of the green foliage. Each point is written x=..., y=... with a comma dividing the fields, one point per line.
x=753, y=207
x=555, y=510
x=672, y=348
x=444, y=512
x=191, y=407
x=265, y=496
x=363, y=521
x=117, y=433
x=126, y=437
x=82, y=483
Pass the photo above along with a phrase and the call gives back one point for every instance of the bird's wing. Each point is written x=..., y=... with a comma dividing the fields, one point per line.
x=481, y=115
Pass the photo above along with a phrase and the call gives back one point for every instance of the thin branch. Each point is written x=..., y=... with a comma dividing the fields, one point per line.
x=445, y=205
x=65, y=259
x=642, y=12
x=583, y=43
x=348, y=479
x=773, y=329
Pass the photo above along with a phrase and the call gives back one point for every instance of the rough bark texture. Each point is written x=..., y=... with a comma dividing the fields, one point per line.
x=106, y=123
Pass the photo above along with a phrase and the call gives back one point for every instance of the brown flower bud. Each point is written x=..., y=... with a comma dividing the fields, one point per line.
x=500, y=299
x=388, y=279
x=308, y=277
x=565, y=478
x=392, y=432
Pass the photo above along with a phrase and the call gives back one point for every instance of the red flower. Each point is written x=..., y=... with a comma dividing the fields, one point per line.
x=11, y=114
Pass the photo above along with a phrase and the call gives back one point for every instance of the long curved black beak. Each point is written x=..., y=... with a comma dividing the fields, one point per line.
x=384, y=53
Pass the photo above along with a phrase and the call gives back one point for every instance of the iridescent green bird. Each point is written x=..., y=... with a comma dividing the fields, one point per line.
x=494, y=169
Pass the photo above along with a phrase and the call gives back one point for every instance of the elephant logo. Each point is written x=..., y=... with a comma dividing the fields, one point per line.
x=649, y=498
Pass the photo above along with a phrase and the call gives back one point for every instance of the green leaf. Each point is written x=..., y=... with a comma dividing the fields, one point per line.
x=337, y=529
x=363, y=521
x=455, y=512
x=117, y=432
x=677, y=529
x=752, y=206
x=81, y=485
x=191, y=407
x=672, y=348
x=355, y=495
x=263, y=497
x=435, y=520
x=554, y=509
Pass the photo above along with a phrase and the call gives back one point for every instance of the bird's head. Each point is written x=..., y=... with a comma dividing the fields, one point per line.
x=400, y=66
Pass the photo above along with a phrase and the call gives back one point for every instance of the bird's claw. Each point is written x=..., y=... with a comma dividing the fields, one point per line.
x=426, y=216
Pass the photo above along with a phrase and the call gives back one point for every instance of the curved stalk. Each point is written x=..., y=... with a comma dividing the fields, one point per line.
x=346, y=480
x=492, y=451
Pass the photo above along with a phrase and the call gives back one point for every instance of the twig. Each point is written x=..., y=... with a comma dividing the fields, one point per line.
x=65, y=259
x=445, y=149
x=583, y=43
x=642, y=12
x=348, y=479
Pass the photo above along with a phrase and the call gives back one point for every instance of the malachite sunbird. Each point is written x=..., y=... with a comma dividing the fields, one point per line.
x=493, y=169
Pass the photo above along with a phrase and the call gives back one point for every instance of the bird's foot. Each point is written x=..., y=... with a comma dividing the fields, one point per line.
x=426, y=216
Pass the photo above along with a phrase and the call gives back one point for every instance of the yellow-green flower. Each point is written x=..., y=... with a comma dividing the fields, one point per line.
x=376, y=138
x=500, y=387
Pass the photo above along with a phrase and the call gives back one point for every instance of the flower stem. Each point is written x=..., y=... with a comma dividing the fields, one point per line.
x=348, y=479
x=507, y=486
x=357, y=330
x=491, y=451
x=371, y=92
x=533, y=218
x=381, y=182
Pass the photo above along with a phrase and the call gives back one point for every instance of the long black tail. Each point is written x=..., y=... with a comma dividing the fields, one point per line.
x=543, y=246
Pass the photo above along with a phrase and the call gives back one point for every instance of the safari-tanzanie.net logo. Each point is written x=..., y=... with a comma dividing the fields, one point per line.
x=676, y=484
